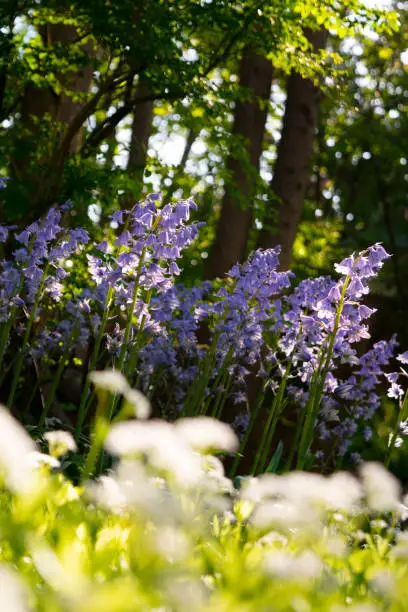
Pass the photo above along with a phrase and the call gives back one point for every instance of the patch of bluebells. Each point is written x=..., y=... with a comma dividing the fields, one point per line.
x=32, y=282
x=257, y=321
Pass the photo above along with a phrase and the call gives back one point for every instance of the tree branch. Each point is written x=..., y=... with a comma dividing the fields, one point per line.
x=106, y=128
x=219, y=55
x=83, y=114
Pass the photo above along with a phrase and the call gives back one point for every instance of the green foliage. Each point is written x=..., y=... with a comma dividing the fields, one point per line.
x=187, y=54
x=157, y=535
x=361, y=156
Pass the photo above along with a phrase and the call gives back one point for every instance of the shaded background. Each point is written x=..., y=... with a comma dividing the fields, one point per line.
x=287, y=124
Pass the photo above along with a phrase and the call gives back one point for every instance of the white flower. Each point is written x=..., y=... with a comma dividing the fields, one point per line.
x=401, y=548
x=60, y=442
x=63, y=575
x=139, y=403
x=130, y=488
x=13, y=593
x=16, y=447
x=166, y=450
x=172, y=543
x=339, y=491
x=206, y=433
x=110, y=380
x=306, y=566
x=37, y=459
x=383, y=582
x=132, y=437
x=382, y=489
x=284, y=514
x=107, y=492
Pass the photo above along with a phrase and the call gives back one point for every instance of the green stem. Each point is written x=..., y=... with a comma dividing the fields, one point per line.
x=98, y=438
x=20, y=359
x=131, y=311
x=10, y=323
x=274, y=413
x=57, y=378
x=222, y=397
x=196, y=391
x=128, y=328
x=84, y=404
x=254, y=415
x=135, y=350
x=302, y=412
x=313, y=405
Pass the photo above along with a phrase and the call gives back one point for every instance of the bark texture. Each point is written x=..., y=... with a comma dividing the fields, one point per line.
x=249, y=124
x=139, y=140
x=291, y=172
x=33, y=159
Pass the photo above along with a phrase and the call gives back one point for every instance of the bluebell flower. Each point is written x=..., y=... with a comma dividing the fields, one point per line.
x=403, y=357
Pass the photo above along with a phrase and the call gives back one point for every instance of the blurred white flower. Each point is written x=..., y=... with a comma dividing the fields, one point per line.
x=206, y=433
x=131, y=437
x=271, y=538
x=382, y=489
x=254, y=489
x=401, y=548
x=213, y=478
x=110, y=380
x=383, y=582
x=284, y=514
x=37, y=459
x=13, y=593
x=107, y=492
x=68, y=580
x=339, y=491
x=60, y=442
x=184, y=594
x=149, y=495
x=160, y=442
x=139, y=403
x=172, y=543
x=306, y=566
x=16, y=447
x=343, y=491
x=130, y=488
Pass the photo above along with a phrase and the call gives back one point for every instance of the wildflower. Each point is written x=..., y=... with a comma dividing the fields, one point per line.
x=403, y=357
x=305, y=566
x=4, y=233
x=284, y=514
x=60, y=442
x=139, y=403
x=16, y=447
x=395, y=390
x=159, y=441
x=13, y=593
x=205, y=433
x=382, y=489
x=110, y=380
x=37, y=459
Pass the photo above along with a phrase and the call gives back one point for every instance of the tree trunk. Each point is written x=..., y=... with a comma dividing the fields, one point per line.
x=32, y=156
x=139, y=141
x=291, y=172
x=249, y=125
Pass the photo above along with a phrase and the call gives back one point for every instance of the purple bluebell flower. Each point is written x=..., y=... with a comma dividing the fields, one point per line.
x=403, y=358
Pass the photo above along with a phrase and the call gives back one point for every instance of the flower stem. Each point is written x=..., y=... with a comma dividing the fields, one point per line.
x=26, y=339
